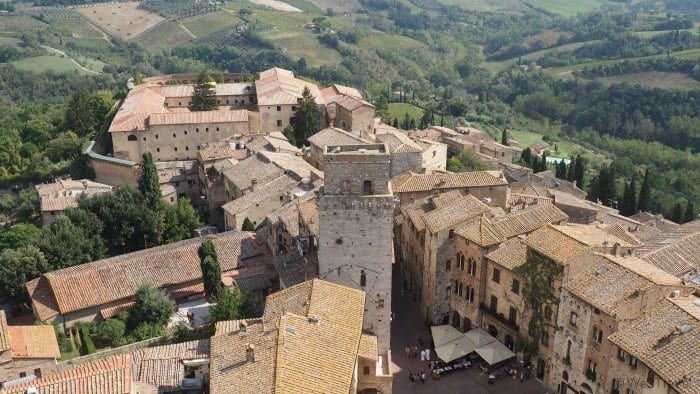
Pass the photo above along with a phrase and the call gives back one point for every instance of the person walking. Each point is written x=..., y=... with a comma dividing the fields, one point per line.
x=522, y=376
x=412, y=378
x=422, y=355
x=422, y=376
x=427, y=354
x=408, y=351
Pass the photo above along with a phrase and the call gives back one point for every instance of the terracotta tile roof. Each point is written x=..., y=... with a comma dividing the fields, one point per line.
x=294, y=299
x=447, y=180
x=116, y=308
x=5, y=343
x=481, y=231
x=255, y=167
x=308, y=215
x=334, y=136
x=666, y=340
x=555, y=244
x=593, y=236
x=646, y=270
x=277, y=186
x=610, y=286
x=198, y=117
x=34, y=342
x=292, y=269
x=514, y=199
x=319, y=356
x=43, y=301
x=656, y=221
x=221, y=150
x=336, y=91
x=368, y=347
x=619, y=231
x=526, y=220
x=288, y=216
x=64, y=194
x=445, y=199
x=279, y=87
x=675, y=251
x=138, y=105
x=110, y=375
x=162, y=366
x=464, y=208
x=690, y=304
x=351, y=103
x=511, y=254
x=398, y=142
x=230, y=372
x=252, y=283
x=293, y=164
x=118, y=278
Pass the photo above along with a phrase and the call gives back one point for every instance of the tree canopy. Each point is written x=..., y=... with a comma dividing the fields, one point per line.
x=204, y=95
x=18, y=266
x=231, y=304
x=306, y=118
x=152, y=306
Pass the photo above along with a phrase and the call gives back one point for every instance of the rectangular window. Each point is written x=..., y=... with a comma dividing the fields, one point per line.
x=496, y=275
x=380, y=303
x=512, y=315
x=545, y=339
x=279, y=123
x=494, y=304
x=448, y=265
x=515, y=287
x=279, y=108
x=574, y=318
x=37, y=373
x=621, y=354
x=650, y=378
x=633, y=362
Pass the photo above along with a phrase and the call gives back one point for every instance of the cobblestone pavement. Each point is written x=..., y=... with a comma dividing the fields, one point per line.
x=406, y=328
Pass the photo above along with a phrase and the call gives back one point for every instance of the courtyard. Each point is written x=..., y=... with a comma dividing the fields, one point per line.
x=407, y=328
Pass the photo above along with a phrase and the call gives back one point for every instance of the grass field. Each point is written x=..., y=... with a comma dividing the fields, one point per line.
x=533, y=56
x=11, y=41
x=564, y=150
x=656, y=79
x=40, y=64
x=165, y=35
x=486, y=5
x=399, y=111
x=382, y=42
x=201, y=25
x=336, y=5
x=122, y=20
x=566, y=7
x=565, y=72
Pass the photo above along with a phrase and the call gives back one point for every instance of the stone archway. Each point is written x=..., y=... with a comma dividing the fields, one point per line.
x=540, y=369
x=456, y=319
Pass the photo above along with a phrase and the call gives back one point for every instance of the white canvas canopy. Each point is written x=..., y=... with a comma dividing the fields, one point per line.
x=479, y=337
x=494, y=352
x=444, y=334
x=456, y=349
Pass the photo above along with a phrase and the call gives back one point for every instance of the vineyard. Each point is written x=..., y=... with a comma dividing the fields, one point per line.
x=177, y=8
x=122, y=20
x=166, y=35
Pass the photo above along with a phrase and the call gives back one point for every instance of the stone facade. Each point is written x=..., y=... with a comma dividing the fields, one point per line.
x=355, y=224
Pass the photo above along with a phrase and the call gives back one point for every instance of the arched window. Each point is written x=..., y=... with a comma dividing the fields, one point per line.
x=363, y=279
x=131, y=137
x=565, y=376
x=365, y=370
x=597, y=334
x=574, y=318
x=448, y=291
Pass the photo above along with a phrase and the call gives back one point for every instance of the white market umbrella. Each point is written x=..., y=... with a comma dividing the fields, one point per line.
x=479, y=337
x=494, y=352
x=456, y=349
x=444, y=334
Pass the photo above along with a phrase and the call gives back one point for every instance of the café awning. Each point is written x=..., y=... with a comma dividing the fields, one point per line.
x=479, y=337
x=494, y=352
x=444, y=334
x=456, y=349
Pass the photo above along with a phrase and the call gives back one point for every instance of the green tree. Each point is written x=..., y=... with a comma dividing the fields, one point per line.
x=18, y=235
x=628, y=202
x=677, y=214
x=152, y=306
x=231, y=304
x=578, y=171
x=465, y=161
x=504, y=137
x=306, y=118
x=110, y=332
x=180, y=221
x=644, y=201
x=526, y=156
x=79, y=117
x=149, y=186
x=18, y=266
x=204, y=96
x=248, y=225
x=689, y=212
x=207, y=249
x=561, y=169
x=64, y=244
x=211, y=275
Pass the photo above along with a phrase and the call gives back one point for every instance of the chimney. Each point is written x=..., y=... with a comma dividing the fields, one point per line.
x=254, y=185
x=250, y=353
x=243, y=327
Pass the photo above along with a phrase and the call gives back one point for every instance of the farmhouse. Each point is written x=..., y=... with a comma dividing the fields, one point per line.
x=54, y=198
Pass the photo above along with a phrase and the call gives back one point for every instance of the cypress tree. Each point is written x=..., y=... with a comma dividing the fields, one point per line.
x=211, y=276
x=643, y=203
x=504, y=137
x=248, y=225
x=689, y=212
x=570, y=170
x=677, y=215
x=148, y=182
x=578, y=171
x=633, y=195
x=625, y=206
x=526, y=156
x=306, y=119
x=561, y=170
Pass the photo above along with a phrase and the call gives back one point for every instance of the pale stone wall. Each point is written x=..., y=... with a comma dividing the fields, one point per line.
x=469, y=309
x=112, y=173
x=45, y=366
x=277, y=117
x=256, y=213
x=355, y=242
x=507, y=299
x=362, y=119
x=409, y=161
x=355, y=237
x=435, y=157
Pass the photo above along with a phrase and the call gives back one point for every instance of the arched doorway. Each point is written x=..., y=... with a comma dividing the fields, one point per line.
x=540, y=369
x=562, y=388
x=586, y=389
x=467, y=324
x=456, y=319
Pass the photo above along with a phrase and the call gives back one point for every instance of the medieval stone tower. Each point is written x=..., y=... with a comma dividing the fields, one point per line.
x=356, y=209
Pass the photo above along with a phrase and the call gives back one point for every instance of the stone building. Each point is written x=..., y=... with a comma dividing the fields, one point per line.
x=26, y=351
x=355, y=115
x=356, y=208
x=56, y=197
x=602, y=298
x=411, y=154
x=488, y=186
x=329, y=136
x=287, y=350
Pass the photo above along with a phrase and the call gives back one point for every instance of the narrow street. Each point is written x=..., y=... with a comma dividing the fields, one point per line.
x=406, y=328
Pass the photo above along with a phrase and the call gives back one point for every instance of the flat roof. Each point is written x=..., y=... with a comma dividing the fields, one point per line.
x=356, y=149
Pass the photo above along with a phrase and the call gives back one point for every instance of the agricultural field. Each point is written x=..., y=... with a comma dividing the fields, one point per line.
x=14, y=42
x=43, y=63
x=399, y=111
x=166, y=35
x=336, y=5
x=533, y=56
x=121, y=20
x=382, y=42
x=17, y=24
x=276, y=5
x=656, y=79
x=566, y=7
x=202, y=25
x=486, y=5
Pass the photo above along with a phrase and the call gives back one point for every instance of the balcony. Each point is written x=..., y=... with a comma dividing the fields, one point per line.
x=498, y=316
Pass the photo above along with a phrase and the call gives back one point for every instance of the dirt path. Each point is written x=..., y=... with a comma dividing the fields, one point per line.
x=187, y=30
x=60, y=52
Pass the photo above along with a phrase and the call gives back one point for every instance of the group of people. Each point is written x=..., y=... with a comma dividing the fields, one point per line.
x=414, y=377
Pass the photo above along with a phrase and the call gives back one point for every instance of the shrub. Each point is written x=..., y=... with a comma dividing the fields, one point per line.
x=110, y=332
x=147, y=331
x=152, y=306
x=88, y=345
